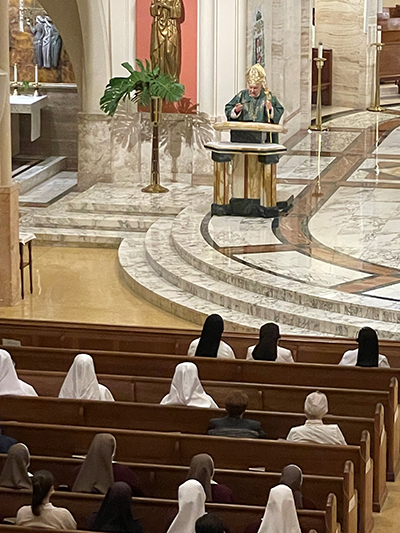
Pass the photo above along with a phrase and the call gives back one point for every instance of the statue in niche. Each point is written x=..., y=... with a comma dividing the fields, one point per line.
x=258, y=40
x=38, y=32
x=47, y=42
x=165, y=36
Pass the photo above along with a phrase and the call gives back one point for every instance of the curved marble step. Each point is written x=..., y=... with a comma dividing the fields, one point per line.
x=189, y=243
x=93, y=221
x=141, y=277
x=75, y=237
x=168, y=264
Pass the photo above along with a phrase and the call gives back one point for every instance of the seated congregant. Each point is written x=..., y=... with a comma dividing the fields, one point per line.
x=280, y=513
x=210, y=523
x=191, y=500
x=202, y=469
x=367, y=354
x=292, y=476
x=42, y=513
x=15, y=473
x=314, y=430
x=115, y=513
x=234, y=425
x=9, y=382
x=81, y=381
x=267, y=348
x=210, y=343
x=186, y=388
x=99, y=472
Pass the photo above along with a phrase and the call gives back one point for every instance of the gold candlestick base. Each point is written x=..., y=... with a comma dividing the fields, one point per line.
x=377, y=108
x=318, y=127
x=155, y=188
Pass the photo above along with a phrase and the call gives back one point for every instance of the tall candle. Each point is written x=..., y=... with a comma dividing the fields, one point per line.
x=36, y=74
x=15, y=73
x=320, y=50
x=379, y=39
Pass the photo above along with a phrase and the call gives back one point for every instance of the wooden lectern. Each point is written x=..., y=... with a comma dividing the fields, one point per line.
x=245, y=172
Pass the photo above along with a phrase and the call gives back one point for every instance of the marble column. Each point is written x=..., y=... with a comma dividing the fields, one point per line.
x=348, y=27
x=9, y=231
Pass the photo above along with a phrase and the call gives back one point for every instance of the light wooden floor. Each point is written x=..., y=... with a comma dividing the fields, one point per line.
x=388, y=520
x=83, y=285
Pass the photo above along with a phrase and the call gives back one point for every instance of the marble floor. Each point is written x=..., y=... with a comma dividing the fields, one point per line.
x=328, y=266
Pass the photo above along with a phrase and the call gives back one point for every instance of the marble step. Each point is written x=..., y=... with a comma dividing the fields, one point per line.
x=116, y=199
x=75, y=237
x=143, y=280
x=39, y=173
x=49, y=191
x=191, y=246
x=96, y=221
x=168, y=264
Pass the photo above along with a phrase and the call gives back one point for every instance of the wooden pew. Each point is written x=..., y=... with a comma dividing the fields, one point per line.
x=152, y=513
x=163, y=366
x=191, y=420
x=84, y=337
x=178, y=449
x=250, y=488
x=261, y=397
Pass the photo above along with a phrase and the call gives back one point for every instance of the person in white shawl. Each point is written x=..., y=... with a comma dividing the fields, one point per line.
x=186, y=388
x=9, y=382
x=191, y=500
x=81, y=381
x=280, y=514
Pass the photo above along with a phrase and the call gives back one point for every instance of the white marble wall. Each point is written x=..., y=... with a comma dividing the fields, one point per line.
x=348, y=27
x=288, y=56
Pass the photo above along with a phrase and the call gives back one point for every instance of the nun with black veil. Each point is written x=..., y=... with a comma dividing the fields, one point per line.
x=367, y=354
x=210, y=343
x=267, y=348
x=115, y=514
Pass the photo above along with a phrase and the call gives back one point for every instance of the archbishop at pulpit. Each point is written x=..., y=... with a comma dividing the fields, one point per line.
x=245, y=175
x=255, y=104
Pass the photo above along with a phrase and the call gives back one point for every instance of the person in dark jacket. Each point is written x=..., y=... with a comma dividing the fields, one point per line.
x=234, y=425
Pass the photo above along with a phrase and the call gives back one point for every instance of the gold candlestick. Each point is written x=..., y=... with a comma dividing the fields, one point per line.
x=318, y=117
x=376, y=105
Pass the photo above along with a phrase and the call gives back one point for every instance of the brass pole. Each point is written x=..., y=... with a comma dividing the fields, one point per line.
x=155, y=116
x=376, y=105
x=318, y=117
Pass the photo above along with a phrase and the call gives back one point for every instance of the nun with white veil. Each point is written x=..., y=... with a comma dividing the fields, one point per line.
x=186, y=388
x=191, y=501
x=280, y=514
x=9, y=382
x=81, y=381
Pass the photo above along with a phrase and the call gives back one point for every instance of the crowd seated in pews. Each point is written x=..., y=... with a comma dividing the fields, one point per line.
x=81, y=381
x=234, y=425
x=186, y=388
x=267, y=348
x=314, y=430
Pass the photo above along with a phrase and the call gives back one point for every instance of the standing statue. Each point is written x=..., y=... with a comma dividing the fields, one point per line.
x=55, y=45
x=38, y=33
x=46, y=46
x=165, y=36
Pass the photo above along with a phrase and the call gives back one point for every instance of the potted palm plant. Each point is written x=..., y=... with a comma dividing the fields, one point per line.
x=146, y=86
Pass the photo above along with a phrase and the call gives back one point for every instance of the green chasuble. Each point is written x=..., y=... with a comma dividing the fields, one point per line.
x=254, y=110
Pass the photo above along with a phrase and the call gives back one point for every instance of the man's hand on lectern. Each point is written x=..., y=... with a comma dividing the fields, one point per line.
x=238, y=108
x=268, y=105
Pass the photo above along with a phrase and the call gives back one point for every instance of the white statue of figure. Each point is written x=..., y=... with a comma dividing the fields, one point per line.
x=55, y=46
x=46, y=46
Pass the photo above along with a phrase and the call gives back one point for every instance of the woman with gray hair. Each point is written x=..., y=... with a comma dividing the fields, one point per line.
x=314, y=430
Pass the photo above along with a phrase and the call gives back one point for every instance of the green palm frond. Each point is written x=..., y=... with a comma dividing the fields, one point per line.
x=140, y=86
